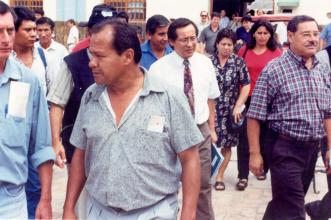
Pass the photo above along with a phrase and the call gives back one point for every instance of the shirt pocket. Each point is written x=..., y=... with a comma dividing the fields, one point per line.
x=16, y=128
x=150, y=147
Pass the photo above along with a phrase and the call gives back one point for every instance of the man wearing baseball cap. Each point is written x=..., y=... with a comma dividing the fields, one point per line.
x=99, y=13
x=73, y=78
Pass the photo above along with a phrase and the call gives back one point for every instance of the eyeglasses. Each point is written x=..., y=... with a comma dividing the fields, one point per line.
x=186, y=40
x=203, y=16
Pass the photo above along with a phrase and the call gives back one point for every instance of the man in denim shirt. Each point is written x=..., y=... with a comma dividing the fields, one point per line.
x=25, y=130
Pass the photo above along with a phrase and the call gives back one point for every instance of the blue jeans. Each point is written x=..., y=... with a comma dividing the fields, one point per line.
x=33, y=191
x=12, y=202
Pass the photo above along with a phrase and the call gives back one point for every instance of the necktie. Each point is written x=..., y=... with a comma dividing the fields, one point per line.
x=188, y=85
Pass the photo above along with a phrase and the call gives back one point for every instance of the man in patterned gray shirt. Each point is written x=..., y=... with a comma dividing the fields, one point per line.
x=133, y=134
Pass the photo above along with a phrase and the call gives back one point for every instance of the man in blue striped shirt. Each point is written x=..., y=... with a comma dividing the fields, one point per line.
x=25, y=130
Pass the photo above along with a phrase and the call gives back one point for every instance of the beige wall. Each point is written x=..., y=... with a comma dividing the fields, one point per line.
x=176, y=8
x=314, y=8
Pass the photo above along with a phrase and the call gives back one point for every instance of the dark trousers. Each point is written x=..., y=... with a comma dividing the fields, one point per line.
x=205, y=208
x=243, y=149
x=292, y=166
x=321, y=209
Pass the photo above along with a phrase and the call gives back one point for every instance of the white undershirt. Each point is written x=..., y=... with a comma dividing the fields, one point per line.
x=106, y=98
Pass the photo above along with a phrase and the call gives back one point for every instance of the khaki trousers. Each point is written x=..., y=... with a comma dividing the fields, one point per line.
x=205, y=208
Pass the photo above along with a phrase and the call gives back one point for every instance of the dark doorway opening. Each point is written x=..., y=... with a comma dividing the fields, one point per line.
x=230, y=6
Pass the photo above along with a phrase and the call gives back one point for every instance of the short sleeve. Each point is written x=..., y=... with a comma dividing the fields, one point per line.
x=262, y=94
x=214, y=91
x=184, y=132
x=62, y=86
x=78, y=136
x=243, y=72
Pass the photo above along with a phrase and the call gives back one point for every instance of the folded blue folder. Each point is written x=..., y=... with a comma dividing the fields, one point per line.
x=216, y=161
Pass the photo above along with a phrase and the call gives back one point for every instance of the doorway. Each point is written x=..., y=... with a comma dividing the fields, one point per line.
x=230, y=6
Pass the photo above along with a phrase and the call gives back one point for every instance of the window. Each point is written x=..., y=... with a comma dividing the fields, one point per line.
x=136, y=9
x=28, y=3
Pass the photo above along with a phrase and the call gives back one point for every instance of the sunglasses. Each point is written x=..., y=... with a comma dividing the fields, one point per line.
x=203, y=15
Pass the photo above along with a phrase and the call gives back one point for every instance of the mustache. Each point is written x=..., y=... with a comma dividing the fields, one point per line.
x=311, y=43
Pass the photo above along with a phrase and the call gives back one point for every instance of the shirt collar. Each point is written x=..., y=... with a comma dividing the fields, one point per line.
x=298, y=59
x=179, y=60
x=10, y=71
x=151, y=84
x=146, y=47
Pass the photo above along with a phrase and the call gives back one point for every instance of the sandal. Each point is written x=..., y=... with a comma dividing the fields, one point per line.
x=219, y=186
x=261, y=177
x=242, y=184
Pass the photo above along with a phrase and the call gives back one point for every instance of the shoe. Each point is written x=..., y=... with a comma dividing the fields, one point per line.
x=261, y=177
x=242, y=184
x=219, y=186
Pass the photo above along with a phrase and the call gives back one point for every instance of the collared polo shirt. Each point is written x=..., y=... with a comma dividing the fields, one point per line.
x=22, y=138
x=55, y=52
x=208, y=36
x=148, y=57
x=170, y=69
x=128, y=165
x=54, y=55
x=37, y=68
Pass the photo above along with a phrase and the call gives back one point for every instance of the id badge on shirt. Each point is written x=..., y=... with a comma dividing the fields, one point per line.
x=18, y=99
x=156, y=123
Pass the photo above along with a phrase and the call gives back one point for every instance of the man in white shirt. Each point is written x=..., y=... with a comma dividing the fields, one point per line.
x=184, y=65
x=54, y=51
x=73, y=36
x=204, y=21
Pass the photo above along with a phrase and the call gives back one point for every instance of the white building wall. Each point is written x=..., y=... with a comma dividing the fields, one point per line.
x=176, y=8
x=314, y=8
x=50, y=9
x=89, y=7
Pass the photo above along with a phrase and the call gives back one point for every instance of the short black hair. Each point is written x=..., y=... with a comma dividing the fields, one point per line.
x=293, y=24
x=46, y=20
x=225, y=33
x=23, y=14
x=215, y=14
x=124, y=15
x=4, y=9
x=39, y=11
x=154, y=22
x=246, y=18
x=72, y=21
x=272, y=43
x=180, y=23
x=124, y=36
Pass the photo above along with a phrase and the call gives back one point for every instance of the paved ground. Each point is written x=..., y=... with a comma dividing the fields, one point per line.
x=228, y=205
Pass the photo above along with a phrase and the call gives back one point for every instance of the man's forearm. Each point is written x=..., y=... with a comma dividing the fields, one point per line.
x=327, y=126
x=190, y=162
x=56, y=115
x=76, y=179
x=45, y=175
x=253, y=134
x=211, y=119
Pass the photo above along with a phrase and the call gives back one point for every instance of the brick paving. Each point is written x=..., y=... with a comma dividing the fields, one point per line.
x=228, y=205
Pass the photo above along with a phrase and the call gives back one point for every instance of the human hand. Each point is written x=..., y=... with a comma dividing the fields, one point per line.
x=327, y=162
x=213, y=136
x=236, y=113
x=187, y=215
x=200, y=48
x=44, y=209
x=60, y=154
x=256, y=163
